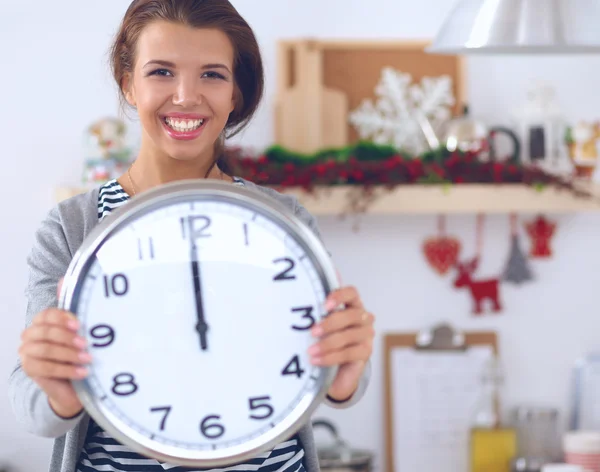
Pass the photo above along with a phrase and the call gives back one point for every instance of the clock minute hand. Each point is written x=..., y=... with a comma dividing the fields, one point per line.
x=201, y=325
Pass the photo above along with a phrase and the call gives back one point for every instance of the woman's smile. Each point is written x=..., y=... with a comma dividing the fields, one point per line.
x=184, y=126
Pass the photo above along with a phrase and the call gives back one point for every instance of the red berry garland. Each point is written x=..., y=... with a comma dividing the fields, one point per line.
x=369, y=164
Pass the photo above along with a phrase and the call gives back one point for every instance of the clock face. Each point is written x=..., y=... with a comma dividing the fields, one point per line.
x=198, y=317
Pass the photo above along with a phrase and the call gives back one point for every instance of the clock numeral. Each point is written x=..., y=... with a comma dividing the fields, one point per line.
x=210, y=428
x=116, y=285
x=285, y=274
x=257, y=403
x=293, y=368
x=104, y=334
x=166, y=410
x=195, y=231
x=307, y=310
x=124, y=384
x=150, y=248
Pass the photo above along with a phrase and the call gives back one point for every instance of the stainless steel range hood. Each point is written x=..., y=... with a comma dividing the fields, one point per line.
x=520, y=27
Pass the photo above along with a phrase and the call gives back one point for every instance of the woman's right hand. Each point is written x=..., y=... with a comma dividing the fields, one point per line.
x=52, y=354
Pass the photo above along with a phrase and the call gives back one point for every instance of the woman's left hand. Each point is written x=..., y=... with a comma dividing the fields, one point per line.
x=345, y=339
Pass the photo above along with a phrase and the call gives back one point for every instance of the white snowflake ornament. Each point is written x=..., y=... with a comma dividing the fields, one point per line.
x=392, y=119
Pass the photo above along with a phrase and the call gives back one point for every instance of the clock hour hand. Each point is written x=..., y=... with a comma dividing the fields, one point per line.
x=201, y=325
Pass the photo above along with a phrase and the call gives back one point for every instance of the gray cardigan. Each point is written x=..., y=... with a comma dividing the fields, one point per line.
x=56, y=241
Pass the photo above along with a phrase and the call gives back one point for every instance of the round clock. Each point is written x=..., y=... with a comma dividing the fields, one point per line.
x=196, y=299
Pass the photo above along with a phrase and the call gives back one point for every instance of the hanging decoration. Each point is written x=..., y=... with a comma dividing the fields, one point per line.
x=517, y=270
x=541, y=231
x=483, y=290
x=441, y=251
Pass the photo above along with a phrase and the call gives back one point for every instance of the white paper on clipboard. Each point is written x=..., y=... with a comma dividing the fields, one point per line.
x=434, y=396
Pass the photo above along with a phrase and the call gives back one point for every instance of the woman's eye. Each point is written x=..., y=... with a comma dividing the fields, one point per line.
x=161, y=72
x=213, y=75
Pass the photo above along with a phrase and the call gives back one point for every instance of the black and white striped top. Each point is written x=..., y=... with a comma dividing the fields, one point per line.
x=112, y=196
x=103, y=453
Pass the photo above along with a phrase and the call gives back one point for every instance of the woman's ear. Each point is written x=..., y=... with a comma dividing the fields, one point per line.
x=127, y=88
x=235, y=97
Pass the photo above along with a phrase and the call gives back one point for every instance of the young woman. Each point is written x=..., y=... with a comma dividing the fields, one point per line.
x=192, y=71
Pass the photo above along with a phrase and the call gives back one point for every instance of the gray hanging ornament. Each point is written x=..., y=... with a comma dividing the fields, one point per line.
x=517, y=270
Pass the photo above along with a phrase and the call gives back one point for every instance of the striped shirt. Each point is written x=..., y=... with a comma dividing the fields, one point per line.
x=103, y=453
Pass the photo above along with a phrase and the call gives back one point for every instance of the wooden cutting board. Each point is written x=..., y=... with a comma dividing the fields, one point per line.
x=308, y=116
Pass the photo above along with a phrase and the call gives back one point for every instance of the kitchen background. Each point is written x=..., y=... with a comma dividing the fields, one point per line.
x=56, y=82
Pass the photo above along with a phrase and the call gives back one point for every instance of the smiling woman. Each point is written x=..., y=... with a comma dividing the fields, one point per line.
x=192, y=71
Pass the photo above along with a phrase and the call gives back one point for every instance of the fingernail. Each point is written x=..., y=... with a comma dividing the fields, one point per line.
x=79, y=341
x=314, y=349
x=85, y=356
x=330, y=305
x=317, y=331
x=81, y=372
x=316, y=360
x=73, y=324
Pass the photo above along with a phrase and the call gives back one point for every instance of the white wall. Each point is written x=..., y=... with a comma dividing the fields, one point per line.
x=54, y=82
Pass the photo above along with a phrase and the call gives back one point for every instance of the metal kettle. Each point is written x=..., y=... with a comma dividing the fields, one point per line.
x=469, y=135
x=339, y=456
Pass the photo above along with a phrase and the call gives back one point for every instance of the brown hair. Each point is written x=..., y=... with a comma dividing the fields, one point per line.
x=247, y=66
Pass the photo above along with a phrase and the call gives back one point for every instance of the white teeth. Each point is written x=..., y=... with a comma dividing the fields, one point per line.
x=183, y=125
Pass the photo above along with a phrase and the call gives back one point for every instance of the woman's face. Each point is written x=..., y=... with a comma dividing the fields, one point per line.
x=183, y=89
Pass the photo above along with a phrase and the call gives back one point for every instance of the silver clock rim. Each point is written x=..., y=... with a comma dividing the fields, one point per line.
x=139, y=205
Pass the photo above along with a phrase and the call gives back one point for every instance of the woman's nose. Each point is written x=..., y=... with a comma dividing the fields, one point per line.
x=188, y=93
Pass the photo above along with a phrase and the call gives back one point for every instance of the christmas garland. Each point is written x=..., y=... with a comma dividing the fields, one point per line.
x=366, y=165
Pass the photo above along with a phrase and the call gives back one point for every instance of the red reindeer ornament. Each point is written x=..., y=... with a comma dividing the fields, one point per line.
x=481, y=290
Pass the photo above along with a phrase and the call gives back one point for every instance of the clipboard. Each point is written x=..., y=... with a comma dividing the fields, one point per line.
x=433, y=353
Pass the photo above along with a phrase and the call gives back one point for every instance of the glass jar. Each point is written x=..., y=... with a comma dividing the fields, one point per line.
x=538, y=437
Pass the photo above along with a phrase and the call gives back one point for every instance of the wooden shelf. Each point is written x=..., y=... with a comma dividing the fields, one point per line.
x=433, y=199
